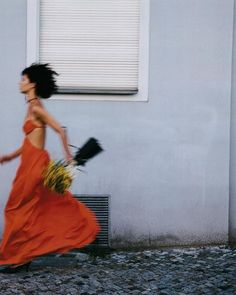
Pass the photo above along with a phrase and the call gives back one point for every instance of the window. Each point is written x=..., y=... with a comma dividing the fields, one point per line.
x=99, y=47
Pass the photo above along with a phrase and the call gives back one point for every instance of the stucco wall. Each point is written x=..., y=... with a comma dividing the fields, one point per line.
x=232, y=187
x=166, y=164
x=12, y=61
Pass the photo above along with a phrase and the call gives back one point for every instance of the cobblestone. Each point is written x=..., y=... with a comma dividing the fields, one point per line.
x=182, y=271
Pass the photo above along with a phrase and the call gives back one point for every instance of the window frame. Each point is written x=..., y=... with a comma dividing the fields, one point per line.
x=32, y=55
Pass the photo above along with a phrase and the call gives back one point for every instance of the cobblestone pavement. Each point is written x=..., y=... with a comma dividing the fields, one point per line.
x=200, y=270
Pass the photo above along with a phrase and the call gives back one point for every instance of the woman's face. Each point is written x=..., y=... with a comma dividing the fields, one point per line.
x=25, y=84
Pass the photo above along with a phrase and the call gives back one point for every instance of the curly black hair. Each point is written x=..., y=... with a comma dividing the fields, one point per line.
x=44, y=78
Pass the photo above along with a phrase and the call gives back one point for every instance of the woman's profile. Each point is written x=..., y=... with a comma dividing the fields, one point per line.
x=37, y=220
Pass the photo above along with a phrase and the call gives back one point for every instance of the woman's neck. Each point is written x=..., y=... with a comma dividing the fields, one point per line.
x=31, y=96
x=29, y=100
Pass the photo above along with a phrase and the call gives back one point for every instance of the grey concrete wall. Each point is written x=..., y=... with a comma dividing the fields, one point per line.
x=12, y=60
x=166, y=164
x=232, y=190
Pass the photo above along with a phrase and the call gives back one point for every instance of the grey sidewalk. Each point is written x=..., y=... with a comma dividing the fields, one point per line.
x=200, y=270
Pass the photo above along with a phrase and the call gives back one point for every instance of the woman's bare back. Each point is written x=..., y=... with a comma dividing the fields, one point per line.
x=38, y=134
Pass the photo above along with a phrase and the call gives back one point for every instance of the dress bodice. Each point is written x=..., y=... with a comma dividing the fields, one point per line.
x=29, y=126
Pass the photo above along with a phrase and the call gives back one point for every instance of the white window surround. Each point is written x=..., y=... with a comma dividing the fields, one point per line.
x=142, y=95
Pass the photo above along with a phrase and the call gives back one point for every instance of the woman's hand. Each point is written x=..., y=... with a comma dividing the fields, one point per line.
x=69, y=158
x=5, y=158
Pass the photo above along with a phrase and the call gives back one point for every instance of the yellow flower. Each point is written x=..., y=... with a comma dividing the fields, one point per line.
x=57, y=176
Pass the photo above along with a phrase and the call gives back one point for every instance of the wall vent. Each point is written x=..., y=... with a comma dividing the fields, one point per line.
x=99, y=204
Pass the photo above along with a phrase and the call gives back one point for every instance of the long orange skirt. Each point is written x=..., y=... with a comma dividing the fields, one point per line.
x=39, y=221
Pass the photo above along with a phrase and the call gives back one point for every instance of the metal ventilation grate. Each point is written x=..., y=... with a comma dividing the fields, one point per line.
x=99, y=204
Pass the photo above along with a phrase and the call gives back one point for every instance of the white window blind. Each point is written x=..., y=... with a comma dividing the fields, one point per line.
x=92, y=44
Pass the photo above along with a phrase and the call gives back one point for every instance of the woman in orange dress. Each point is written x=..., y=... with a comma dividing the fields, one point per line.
x=37, y=220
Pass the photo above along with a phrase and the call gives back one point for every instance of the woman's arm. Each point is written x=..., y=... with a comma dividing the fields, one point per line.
x=11, y=156
x=16, y=153
x=45, y=117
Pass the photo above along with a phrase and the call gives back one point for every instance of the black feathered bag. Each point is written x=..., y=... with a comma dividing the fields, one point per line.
x=58, y=175
x=88, y=150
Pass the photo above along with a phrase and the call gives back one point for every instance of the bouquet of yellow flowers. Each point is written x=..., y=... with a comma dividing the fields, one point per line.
x=58, y=175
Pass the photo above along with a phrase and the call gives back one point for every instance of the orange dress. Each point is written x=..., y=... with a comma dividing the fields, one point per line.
x=37, y=220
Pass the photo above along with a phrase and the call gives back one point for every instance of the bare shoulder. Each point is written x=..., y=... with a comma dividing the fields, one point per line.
x=37, y=107
x=38, y=112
